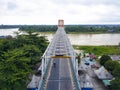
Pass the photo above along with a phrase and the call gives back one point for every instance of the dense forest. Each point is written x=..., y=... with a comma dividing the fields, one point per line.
x=68, y=28
x=19, y=58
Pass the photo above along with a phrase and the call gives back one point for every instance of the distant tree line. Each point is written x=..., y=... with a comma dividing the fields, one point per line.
x=39, y=28
x=68, y=28
x=73, y=28
x=19, y=58
x=92, y=28
x=9, y=26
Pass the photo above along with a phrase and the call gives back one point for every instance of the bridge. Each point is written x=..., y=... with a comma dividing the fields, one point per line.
x=59, y=67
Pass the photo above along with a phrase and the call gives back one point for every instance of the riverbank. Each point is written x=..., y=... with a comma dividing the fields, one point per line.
x=99, y=50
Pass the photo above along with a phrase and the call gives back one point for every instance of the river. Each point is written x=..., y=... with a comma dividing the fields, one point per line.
x=5, y=32
x=78, y=39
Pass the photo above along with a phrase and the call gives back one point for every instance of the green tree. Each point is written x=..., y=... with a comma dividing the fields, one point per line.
x=18, y=59
x=111, y=65
x=104, y=59
x=33, y=53
x=14, y=70
x=116, y=71
x=78, y=57
x=115, y=84
x=17, y=66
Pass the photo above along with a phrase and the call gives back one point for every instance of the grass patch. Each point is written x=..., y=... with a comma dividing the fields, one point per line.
x=99, y=50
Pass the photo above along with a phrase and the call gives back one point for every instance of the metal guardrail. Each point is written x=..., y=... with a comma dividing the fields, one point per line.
x=45, y=73
x=75, y=80
x=72, y=61
x=42, y=83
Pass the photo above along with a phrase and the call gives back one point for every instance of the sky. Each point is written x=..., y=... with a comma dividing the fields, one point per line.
x=44, y=12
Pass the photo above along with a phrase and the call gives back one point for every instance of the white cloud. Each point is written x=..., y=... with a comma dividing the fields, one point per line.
x=49, y=11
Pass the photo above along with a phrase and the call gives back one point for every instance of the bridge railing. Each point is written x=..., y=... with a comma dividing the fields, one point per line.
x=46, y=57
x=46, y=61
x=43, y=67
x=74, y=64
x=74, y=68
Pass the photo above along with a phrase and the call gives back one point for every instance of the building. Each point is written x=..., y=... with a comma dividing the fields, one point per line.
x=103, y=74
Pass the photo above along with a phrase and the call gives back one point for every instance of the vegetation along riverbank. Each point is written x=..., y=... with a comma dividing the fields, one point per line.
x=99, y=50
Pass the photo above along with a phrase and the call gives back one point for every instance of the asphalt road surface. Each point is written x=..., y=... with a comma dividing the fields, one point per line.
x=60, y=77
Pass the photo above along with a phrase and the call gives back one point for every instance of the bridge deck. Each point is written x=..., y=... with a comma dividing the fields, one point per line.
x=60, y=77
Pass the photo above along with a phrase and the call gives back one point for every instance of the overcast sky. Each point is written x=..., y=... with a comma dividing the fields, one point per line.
x=49, y=11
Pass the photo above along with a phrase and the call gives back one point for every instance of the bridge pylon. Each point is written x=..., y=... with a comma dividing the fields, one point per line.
x=60, y=23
